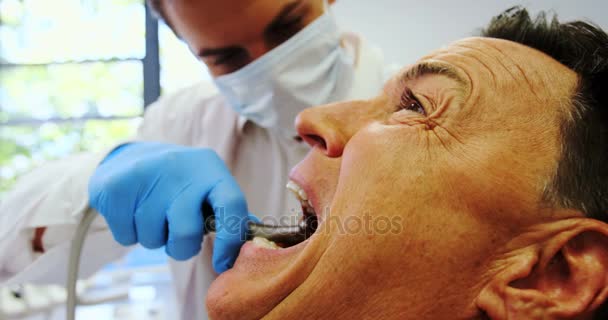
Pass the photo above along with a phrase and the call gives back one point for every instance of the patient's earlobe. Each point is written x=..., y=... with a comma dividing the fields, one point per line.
x=562, y=276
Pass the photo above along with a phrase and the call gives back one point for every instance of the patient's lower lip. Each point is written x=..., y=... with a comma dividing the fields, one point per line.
x=252, y=252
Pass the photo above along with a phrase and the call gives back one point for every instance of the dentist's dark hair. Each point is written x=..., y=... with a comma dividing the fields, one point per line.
x=158, y=9
x=581, y=179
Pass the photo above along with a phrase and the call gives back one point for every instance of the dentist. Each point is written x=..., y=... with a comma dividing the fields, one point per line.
x=270, y=60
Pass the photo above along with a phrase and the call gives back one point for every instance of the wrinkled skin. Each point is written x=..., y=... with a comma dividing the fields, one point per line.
x=464, y=184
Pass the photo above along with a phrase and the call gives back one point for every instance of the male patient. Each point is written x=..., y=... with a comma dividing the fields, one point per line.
x=488, y=161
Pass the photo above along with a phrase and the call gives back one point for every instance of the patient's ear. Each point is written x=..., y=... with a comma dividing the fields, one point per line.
x=561, y=274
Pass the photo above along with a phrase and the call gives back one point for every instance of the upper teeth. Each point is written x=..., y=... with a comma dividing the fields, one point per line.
x=295, y=188
x=299, y=193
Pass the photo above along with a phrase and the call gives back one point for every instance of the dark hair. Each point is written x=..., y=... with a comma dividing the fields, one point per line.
x=158, y=9
x=581, y=179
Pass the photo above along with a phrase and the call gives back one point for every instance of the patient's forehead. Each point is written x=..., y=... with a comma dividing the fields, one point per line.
x=498, y=65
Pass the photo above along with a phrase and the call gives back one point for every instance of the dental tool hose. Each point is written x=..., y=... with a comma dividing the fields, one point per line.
x=286, y=235
x=74, y=261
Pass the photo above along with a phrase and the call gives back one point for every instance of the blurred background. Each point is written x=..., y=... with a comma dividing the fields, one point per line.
x=76, y=75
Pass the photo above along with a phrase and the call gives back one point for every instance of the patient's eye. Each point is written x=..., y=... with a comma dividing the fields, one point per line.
x=410, y=102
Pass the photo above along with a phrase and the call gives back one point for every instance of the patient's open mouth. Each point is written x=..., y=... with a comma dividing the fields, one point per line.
x=307, y=226
x=309, y=216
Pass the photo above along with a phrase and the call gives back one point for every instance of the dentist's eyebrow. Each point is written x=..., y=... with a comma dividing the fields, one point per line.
x=436, y=68
x=283, y=14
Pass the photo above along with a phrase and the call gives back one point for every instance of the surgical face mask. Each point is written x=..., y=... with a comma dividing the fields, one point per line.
x=308, y=69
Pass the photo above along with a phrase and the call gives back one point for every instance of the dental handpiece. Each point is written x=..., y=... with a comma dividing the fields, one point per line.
x=284, y=235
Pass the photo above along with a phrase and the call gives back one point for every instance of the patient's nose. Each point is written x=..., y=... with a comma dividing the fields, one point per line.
x=329, y=127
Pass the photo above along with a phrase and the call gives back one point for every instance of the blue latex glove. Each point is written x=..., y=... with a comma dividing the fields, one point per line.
x=152, y=193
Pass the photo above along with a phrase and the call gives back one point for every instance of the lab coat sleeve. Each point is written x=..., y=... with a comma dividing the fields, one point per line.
x=55, y=196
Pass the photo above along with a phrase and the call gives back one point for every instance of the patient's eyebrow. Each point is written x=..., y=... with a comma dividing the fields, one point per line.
x=437, y=68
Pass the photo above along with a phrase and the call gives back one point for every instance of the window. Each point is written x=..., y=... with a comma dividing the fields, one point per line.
x=75, y=76
x=178, y=66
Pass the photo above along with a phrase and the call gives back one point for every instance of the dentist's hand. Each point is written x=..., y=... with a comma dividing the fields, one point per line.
x=152, y=194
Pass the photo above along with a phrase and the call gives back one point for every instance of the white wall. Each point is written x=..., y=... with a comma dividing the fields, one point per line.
x=408, y=29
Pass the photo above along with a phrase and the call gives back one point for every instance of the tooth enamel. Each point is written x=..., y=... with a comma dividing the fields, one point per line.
x=293, y=187
x=297, y=190
x=265, y=243
x=302, y=194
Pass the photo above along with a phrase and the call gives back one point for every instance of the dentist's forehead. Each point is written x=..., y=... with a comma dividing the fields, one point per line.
x=231, y=19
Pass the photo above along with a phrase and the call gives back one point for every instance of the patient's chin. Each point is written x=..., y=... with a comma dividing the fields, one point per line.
x=251, y=289
x=261, y=279
x=225, y=300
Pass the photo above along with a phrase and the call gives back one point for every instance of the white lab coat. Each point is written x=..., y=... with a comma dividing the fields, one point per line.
x=56, y=195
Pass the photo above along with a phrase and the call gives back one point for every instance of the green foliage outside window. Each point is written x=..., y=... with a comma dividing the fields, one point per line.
x=51, y=104
x=71, y=78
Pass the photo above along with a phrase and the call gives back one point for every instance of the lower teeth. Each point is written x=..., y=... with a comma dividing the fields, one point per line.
x=265, y=243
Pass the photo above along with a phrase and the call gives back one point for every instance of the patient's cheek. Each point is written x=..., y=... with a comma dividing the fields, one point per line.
x=366, y=144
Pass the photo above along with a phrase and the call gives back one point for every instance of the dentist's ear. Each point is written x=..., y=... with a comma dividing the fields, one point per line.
x=563, y=274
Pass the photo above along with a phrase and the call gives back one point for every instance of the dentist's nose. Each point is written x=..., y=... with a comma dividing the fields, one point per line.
x=256, y=49
x=329, y=127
